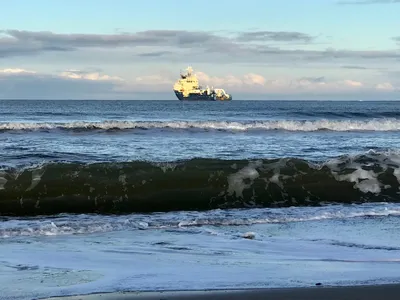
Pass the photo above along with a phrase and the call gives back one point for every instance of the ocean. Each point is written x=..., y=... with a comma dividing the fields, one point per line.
x=104, y=196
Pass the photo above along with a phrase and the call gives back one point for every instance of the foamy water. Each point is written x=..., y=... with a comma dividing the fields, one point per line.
x=289, y=125
x=64, y=224
x=335, y=245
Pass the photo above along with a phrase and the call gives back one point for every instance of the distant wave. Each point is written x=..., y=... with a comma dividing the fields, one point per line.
x=287, y=125
x=197, y=184
x=349, y=114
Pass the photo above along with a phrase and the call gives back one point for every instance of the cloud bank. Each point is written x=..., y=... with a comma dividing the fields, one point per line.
x=359, y=73
x=242, y=47
x=77, y=84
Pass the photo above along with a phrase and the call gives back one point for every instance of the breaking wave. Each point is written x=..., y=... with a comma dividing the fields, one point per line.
x=287, y=125
x=67, y=224
x=197, y=184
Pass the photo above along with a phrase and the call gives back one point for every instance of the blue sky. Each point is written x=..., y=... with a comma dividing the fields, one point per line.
x=297, y=49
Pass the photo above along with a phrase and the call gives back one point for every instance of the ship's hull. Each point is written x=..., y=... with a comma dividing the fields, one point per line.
x=200, y=97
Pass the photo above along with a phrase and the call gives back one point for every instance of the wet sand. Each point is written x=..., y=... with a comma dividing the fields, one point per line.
x=387, y=292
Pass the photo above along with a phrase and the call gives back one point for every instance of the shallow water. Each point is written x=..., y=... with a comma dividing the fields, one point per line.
x=297, y=246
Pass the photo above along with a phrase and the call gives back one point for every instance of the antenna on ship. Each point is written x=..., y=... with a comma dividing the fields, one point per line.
x=189, y=70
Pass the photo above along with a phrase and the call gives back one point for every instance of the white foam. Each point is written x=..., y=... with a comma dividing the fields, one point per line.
x=122, y=179
x=166, y=166
x=3, y=180
x=290, y=125
x=277, y=176
x=396, y=173
x=236, y=181
x=275, y=179
x=249, y=235
x=366, y=180
x=36, y=177
x=89, y=224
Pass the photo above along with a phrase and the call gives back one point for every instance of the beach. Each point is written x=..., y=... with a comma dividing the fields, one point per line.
x=370, y=292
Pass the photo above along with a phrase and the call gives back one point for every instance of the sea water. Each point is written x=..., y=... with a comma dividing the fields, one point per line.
x=101, y=196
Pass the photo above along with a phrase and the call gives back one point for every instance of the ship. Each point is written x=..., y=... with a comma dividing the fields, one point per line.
x=187, y=88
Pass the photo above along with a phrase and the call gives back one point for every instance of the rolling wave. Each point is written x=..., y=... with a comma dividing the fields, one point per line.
x=286, y=125
x=197, y=184
x=67, y=224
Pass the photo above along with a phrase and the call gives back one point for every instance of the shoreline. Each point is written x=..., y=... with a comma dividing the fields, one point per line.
x=358, y=292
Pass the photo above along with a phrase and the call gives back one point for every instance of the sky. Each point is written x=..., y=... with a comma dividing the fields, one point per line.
x=254, y=49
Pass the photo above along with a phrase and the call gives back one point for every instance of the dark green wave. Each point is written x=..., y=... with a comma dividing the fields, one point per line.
x=197, y=184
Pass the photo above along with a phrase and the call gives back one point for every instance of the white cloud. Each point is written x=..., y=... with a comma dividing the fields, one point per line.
x=156, y=79
x=353, y=83
x=78, y=84
x=18, y=83
x=232, y=81
x=251, y=79
x=16, y=71
x=252, y=83
x=312, y=84
x=215, y=81
x=387, y=86
x=77, y=74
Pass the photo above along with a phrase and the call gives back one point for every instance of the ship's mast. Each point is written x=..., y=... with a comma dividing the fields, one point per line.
x=189, y=71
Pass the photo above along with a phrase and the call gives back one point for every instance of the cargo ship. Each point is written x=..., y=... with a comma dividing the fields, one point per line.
x=187, y=88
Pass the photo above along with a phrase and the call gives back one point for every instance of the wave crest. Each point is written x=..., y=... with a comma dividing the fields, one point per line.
x=197, y=184
x=287, y=125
